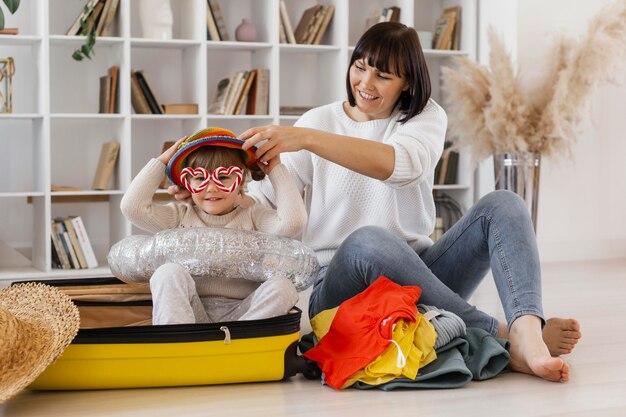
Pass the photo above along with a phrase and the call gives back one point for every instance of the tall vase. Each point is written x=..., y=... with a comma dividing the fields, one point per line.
x=519, y=172
x=156, y=19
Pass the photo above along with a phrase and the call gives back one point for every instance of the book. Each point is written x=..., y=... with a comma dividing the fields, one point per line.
x=63, y=250
x=85, y=11
x=393, y=13
x=180, y=108
x=281, y=33
x=67, y=243
x=148, y=92
x=77, y=249
x=219, y=20
x=235, y=91
x=452, y=168
x=213, y=33
x=444, y=28
x=113, y=73
x=55, y=258
x=328, y=16
x=315, y=25
x=258, y=98
x=218, y=105
x=137, y=98
x=105, y=94
x=83, y=241
x=456, y=33
x=92, y=20
x=103, y=13
x=302, y=30
x=244, y=93
x=286, y=22
x=54, y=188
x=109, y=18
x=106, y=165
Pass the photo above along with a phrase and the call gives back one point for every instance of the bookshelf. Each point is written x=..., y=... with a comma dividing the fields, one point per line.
x=55, y=132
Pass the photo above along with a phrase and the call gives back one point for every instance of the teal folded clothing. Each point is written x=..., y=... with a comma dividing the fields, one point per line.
x=475, y=356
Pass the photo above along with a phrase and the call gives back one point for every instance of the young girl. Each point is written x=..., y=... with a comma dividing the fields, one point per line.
x=213, y=167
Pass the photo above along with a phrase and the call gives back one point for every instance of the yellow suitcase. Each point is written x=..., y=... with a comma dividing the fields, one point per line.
x=116, y=347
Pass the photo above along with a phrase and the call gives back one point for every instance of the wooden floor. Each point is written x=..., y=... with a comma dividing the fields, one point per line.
x=594, y=292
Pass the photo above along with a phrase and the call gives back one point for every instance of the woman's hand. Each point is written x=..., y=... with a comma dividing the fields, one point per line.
x=278, y=139
x=167, y=155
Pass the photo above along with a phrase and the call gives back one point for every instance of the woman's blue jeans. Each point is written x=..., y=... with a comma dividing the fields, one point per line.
x=495, y=233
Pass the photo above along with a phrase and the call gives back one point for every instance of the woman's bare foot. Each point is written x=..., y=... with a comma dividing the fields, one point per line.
x=530, y=354
x=561, y=335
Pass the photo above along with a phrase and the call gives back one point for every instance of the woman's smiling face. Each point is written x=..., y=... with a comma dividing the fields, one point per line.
x=375, y=92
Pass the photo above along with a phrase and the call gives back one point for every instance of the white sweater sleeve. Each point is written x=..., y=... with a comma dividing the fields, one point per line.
x=289, y=219
x=137, y=204
x=417, y=145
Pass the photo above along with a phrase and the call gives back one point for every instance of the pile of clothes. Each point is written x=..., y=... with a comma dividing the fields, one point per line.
x=381, y=338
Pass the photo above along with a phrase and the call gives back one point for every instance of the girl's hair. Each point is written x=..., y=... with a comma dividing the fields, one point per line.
x=394, y=48
x=219, y=156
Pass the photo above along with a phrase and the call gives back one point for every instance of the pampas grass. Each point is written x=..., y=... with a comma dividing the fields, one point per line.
x=490, y=111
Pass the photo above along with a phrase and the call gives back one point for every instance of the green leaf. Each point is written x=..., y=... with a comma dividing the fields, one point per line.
x=12, y=5
x=1, y=20
x=77, y=55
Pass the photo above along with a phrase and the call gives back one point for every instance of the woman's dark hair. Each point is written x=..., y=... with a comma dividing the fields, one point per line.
x=390, y=44
x=220, y=156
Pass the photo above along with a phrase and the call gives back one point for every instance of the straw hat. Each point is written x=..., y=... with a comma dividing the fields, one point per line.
x=210, y=136
x=37, y=322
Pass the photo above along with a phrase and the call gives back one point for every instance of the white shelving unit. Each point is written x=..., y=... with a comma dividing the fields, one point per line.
x=55, y=134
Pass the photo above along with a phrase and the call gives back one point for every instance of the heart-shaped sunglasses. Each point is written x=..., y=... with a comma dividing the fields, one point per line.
x=225, y=179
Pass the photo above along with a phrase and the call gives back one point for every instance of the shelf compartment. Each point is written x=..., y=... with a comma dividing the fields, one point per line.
x=308, y=69
x=84, y=138
x=28, y=76
x=21, y=232
x=80, y=79
x=172, y=73
x=22, y=160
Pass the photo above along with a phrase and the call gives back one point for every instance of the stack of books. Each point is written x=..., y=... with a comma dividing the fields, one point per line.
x=447, y=166
x=108, y=91
x=99, y=16
x=142, y=95
x=447, y=33
x=245, y=92
x=310, y=29
x=71, y=247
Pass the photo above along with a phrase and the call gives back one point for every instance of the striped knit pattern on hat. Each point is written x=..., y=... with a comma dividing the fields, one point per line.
x=210, y=136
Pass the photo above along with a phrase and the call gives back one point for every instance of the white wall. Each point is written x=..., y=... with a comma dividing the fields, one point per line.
x=583, y=198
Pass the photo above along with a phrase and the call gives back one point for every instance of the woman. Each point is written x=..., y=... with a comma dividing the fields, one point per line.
x=366, y=168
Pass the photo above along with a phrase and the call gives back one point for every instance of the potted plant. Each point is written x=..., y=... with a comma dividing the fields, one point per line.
x=492, y=113
x=12, y=5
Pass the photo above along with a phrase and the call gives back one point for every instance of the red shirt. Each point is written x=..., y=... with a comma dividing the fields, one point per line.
x=362, y=329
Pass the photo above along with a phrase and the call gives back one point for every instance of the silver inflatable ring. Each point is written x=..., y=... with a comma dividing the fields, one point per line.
x=215, y=253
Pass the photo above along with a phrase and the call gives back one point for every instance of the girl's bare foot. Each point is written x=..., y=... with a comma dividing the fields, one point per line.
x=561, y=335
x=529, y=353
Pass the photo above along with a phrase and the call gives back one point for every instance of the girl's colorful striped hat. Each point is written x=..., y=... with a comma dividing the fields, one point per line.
x=210, y=136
